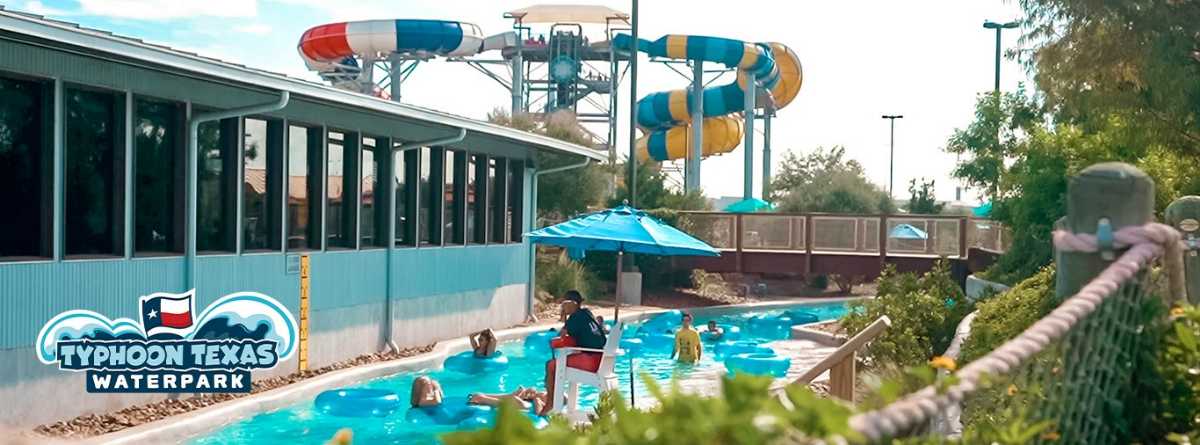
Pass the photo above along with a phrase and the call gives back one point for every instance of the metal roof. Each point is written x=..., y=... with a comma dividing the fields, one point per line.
x=139, y=50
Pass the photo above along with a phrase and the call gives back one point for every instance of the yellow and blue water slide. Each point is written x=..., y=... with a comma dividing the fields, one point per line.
x=665, y=117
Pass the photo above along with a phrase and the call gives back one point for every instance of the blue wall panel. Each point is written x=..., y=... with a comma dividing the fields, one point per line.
x=31, y=293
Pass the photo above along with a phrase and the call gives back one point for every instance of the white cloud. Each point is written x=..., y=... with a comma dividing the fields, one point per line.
x=254, y=28
x=36, y=7
x=169, y=9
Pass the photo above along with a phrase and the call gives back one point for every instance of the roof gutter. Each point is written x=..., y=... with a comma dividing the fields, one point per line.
x=387, y=301
x=531, y=288
x=189, y=262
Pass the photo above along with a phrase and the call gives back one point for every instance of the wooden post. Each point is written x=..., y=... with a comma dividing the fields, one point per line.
x=840, y=363
x=1116, y=192
x=963, y=224
x=808, y=246
x=883, y=238
x=737, y=236
x=1184, y=214
x=841, y=378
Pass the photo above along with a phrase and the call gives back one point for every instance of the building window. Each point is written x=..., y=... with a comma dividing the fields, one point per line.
x=263, y=185
x=157, y=185
x=342, y=190
x=431, y=202
x=373, y=223
x=95, y=172
x=476, y=197
x=304, y=188
x=497, y=197
x=516, y=195
x=405, y=165
x=216, y=189
x=452, y=217
x=26, y=160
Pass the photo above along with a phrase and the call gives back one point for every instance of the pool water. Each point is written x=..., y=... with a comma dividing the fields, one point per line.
x=301, y=423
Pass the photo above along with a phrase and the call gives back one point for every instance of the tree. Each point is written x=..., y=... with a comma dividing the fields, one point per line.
x=564, y=194
x=1022, y=159
x=922, y=200
x=824, y=181
x=1131, y=59
x=652, y=192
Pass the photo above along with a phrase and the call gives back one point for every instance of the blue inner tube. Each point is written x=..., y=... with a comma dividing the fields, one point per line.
x=468, y=363
x=759, y=364
x=464, y=416
x=730, y=348
x=730, y=333
x=452, y=411
x=357, y=402
x=539, y=342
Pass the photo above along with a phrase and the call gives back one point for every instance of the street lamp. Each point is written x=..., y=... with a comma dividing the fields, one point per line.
x=892, y=155
x=999, y=27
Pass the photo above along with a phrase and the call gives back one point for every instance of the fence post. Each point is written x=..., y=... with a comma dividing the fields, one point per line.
x=883, y=241
x=808, y=246
x=1184, y=214
x=1116, y=192
x=962, y=237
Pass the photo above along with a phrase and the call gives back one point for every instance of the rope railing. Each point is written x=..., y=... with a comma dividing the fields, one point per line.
x=1144, y=243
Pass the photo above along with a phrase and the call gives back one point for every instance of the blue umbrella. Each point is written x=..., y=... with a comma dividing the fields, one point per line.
x=621, y=229
x=905, y=231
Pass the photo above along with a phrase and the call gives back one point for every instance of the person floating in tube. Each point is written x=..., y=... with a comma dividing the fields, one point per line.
x=580, y=329
x=714, y=332
x=484, y=343
x=687, y=342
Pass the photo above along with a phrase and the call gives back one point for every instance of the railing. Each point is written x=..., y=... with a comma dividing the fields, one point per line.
x=948, y=236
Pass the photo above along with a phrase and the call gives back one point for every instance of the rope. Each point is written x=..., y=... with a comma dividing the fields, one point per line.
x=1145, y=243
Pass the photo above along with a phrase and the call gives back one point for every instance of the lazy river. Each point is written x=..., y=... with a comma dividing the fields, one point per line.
x=305, y=423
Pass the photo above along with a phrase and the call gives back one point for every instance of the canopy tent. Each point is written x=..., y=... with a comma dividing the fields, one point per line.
x=567, y=14
x=751, y=205
x=906, y=231
x=983, y=211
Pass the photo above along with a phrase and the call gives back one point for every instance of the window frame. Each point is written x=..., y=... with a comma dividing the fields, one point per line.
x=179, y=175
x=275, y=150
x=381, y=198
x=351, y=158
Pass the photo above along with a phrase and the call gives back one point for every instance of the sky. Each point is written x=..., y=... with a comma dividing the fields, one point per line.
x=926, y=60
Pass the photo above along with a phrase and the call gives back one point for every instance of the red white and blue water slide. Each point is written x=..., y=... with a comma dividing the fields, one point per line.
x=331, y=49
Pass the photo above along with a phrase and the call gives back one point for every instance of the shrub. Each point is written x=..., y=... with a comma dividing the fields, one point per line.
x=1003, y=316
x=819, y=282
x=746, y=413
x=924, y=312
x=845, y=283
x=561, y=275
x=1167, y=390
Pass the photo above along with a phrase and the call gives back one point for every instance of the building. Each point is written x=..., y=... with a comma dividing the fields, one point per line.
x=99, y=203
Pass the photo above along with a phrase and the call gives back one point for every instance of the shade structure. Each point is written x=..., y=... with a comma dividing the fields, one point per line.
x=568, y=14
x=622, y=229
x=983, y=211
x=906, y=231
x=751, y=205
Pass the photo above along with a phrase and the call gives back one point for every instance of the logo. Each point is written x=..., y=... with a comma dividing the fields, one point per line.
x=1189, y=225
x=172, y=349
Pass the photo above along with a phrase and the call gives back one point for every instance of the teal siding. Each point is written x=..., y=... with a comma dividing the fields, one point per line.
x=31, y=293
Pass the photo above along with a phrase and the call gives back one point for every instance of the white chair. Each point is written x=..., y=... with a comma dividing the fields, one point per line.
x=567, y=380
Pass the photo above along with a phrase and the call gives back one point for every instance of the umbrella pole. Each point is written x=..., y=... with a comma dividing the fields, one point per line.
x=617, y=294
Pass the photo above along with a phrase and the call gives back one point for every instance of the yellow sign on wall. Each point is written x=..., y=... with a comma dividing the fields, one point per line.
x=304, y=286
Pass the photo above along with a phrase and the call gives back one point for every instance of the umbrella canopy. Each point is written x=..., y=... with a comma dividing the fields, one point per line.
x=750, y=206
x=905, y=231
x=621, y=229
x=983, y=211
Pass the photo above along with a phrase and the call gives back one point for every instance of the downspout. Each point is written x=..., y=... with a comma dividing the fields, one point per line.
x=189, y=259
x=387, y=305
x=530, y=290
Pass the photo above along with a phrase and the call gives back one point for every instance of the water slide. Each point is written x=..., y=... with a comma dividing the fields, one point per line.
x=330, y=49
x=665, y=117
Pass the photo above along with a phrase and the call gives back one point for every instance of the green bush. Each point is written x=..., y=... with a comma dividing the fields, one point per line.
x=924, y=312
x=1167, y=381
x=819, y=282
x=559, y=276
x=745, y=413
x=1003, y=316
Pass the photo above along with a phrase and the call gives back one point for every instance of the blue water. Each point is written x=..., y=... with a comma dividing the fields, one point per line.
x=301, y=423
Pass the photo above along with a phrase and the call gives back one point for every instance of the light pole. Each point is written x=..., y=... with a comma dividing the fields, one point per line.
x=892, y=154
x=999, y=27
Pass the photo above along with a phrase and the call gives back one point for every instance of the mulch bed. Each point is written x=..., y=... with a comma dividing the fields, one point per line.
x=97, y=424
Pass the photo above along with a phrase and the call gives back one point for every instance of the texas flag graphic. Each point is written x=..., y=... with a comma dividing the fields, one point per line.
x=167, y=314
